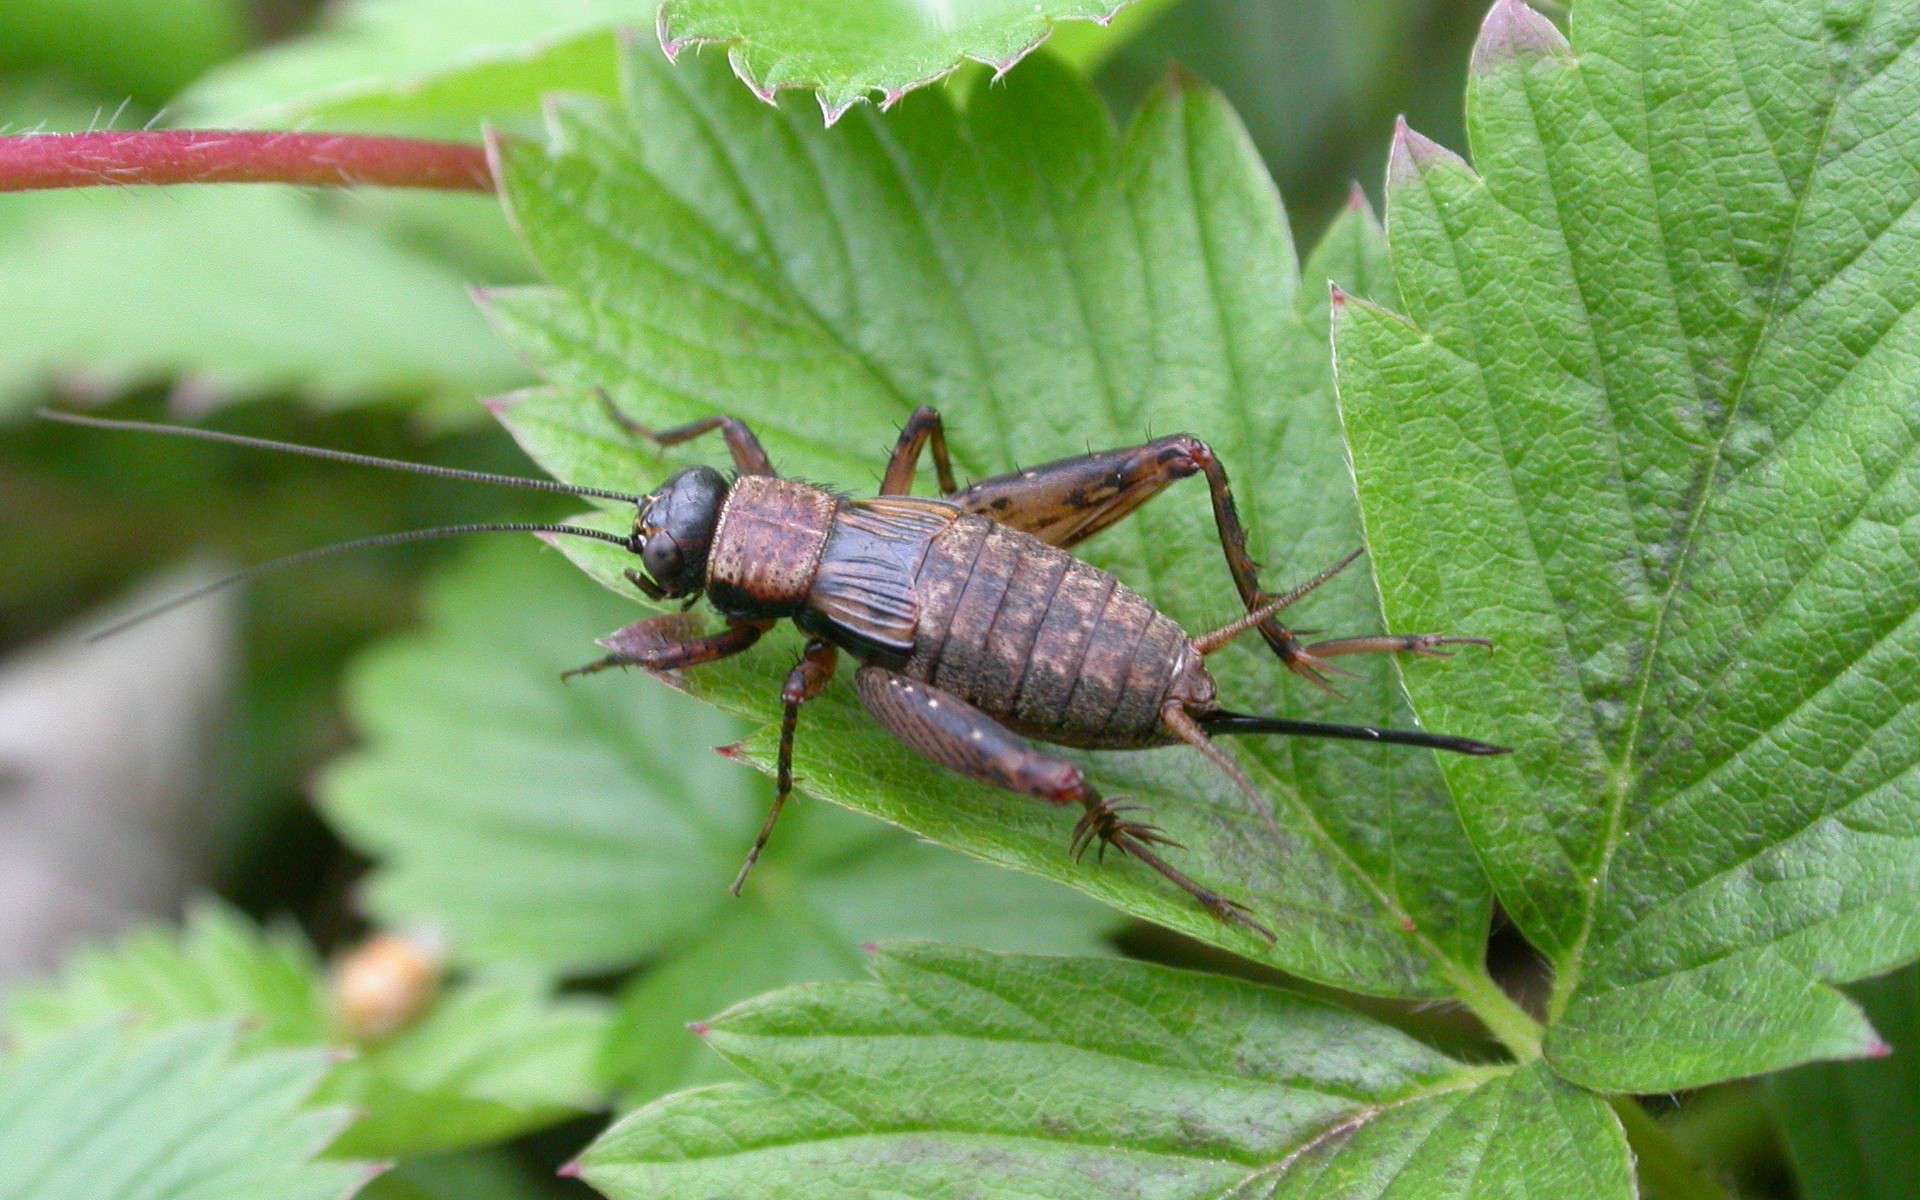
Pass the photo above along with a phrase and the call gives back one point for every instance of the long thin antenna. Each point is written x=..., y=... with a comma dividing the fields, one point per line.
x=1224, y=722
x=344, y=456
x=367, y=543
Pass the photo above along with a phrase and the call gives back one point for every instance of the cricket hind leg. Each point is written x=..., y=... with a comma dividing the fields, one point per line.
x=1310, y=661
x=808, y=679
x=949, y=731
x=748, y=455
x=1068, y=501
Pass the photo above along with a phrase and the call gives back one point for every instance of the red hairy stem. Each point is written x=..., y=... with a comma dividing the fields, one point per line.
x=66, y=160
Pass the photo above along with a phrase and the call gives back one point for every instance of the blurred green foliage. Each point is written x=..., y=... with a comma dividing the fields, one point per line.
x=488, y=1059
x=142, y=50
x=1318, y=82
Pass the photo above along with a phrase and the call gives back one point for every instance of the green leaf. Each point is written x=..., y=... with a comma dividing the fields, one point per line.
x=454, y=62
x=1524, y=1134
x=219, y=965
x=1647, y=420
x=112, y=1114
x=234, y=293
x=450, y=62
x=121, y=47
x=1850, y=1125
x=489, y=1060
x=1046, y=284
x=875, y=50
x=957, y=1072
x=588, y=826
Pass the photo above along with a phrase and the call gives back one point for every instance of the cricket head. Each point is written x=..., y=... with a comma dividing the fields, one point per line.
x=673, y=529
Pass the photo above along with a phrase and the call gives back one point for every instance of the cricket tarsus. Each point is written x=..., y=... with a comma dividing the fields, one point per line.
x=964, y=613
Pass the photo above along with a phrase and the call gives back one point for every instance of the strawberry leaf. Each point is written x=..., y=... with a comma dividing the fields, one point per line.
x=1648, y=419
x=956, y=1072
x=113, y=1113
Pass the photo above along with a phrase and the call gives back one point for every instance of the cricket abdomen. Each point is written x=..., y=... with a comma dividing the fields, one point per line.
x=1051, y=646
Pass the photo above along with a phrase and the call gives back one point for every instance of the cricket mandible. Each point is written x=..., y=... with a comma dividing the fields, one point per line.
x=977, y=632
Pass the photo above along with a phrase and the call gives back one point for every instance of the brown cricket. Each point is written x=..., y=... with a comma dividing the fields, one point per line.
x=977, y=632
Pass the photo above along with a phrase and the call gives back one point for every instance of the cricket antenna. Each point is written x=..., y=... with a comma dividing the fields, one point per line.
x=344, y=456
x=366, y=543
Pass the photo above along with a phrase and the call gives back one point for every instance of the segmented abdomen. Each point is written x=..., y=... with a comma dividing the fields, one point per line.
x=1032, y=635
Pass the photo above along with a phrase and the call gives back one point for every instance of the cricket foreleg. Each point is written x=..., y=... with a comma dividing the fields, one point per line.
x=671, y=642
x=954, y=734
x=747, y=453
x=922, y=428
x=808, y=679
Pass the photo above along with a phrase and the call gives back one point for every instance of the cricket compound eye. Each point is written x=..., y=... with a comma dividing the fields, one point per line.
x=662, y=556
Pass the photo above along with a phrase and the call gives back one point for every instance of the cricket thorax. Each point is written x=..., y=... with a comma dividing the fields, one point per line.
x=768, y=544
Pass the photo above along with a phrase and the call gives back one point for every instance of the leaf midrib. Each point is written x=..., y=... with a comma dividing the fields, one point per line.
x=1466, y=1080
x=1295, y=1084
x=1113, y=996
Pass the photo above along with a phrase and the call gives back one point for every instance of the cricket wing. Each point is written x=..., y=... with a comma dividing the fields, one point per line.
x=864, y=586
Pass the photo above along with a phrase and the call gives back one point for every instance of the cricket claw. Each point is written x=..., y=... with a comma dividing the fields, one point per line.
x=1102, y=823
x=1317, y=671
x=1136, y=840
x=1152, y=835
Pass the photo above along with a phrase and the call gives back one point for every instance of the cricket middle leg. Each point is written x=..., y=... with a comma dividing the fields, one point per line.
x=808, y=679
